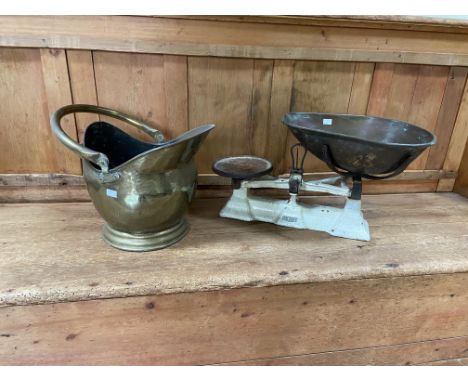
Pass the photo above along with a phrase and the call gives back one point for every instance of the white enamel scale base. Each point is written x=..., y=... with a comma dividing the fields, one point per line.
x=347, y=222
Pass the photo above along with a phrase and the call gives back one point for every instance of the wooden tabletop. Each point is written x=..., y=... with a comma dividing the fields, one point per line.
x=396, y=19
x=53, y=252
x=453, y=24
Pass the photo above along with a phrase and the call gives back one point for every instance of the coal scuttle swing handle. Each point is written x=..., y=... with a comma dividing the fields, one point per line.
x=93, y=156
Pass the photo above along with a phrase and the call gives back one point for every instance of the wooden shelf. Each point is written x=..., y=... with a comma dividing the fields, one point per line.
x=254, y=293
x=53, y=252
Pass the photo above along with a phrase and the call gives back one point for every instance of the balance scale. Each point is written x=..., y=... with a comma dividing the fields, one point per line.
x=347, y=222
x=355, y=147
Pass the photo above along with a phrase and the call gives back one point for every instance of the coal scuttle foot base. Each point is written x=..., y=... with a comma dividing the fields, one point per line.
x=147, y=241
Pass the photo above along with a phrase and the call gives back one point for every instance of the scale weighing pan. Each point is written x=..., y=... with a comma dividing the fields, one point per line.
x=358, y=145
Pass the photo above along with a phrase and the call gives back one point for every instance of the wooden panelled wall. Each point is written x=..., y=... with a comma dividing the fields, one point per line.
x=246, y=98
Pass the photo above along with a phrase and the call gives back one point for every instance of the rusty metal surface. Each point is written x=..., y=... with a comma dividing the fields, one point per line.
x=242, y=167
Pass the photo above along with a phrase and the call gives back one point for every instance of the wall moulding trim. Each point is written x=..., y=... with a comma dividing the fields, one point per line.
x=47, y=180
x=243, y=39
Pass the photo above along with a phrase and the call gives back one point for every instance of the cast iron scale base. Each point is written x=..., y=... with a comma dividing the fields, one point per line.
x=248, y=172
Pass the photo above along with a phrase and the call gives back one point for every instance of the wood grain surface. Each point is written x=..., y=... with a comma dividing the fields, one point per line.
x=58, y=94
x=175, y=93
x=461, y=184
x=403, y=22
x=249, y=324
x=426, y=103
x=133, y=84
x=235, y=38
x=447, y=115
x=223, y=253
x=18, y=188
x=459, y=137
x=437, y=351
x=220, y=92
x=33, y=83
x=232, y=292
x=448, y=362
x=243, y=85
x=275, y=135
x=83, y=86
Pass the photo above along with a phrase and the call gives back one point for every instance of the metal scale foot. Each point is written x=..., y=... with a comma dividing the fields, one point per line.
x=248, y=172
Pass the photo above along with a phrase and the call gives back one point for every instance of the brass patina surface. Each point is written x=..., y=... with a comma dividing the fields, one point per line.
x=360, y=145
x=144, y=198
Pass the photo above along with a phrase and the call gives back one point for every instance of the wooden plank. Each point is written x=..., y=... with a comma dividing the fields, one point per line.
x=38, y=194
x=223, y=253
x=259, y=141
x=448, y=362
x=30, y=188
x=432, y=351
x=392, y=90
x=369, y=188
x=360, y=91
x=316, y=83
x=53, y=187
x=461, y=184
x=280, y=103
x=426, y=103
x=83, y=86
x=58, y=93
x=41, y=194
x=459, y=137
x=171, y=90
x=353, y=21
x=233, y=39
x=176, y=94
x=398, y=187
x=408, y=175
x=413, y=94
x=33, y=180
x=447, y=116
x=226, y=326
x=215, y=97
x=134, y=84
x=16, y=188
x=401, y=91
x=381, y=83
x=445, y=185
x=321, y=87
x=39, y=80
x=22, y=84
